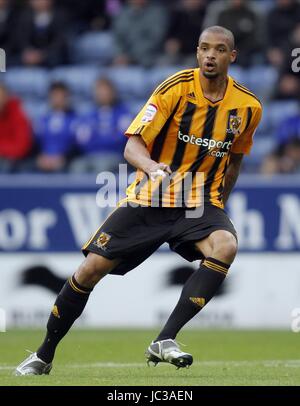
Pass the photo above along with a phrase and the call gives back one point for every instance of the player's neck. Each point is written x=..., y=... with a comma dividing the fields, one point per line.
x=214, y=89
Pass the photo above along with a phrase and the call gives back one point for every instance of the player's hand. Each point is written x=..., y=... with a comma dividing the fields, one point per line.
x=159, y=169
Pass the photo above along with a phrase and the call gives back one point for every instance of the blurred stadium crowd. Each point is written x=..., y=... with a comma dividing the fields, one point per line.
x=79, y=70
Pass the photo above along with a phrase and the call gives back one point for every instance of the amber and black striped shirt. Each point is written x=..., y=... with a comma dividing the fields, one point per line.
x=195, y=137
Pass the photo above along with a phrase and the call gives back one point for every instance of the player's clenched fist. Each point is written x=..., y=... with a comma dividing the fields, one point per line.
x=158, y=169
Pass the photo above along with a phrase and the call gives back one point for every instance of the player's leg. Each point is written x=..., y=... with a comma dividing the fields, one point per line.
x=219, y=250
x=123, y=235
x=68, y=306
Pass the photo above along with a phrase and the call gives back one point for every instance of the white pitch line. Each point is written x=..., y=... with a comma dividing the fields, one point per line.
x=216, y=363
x=212, y=363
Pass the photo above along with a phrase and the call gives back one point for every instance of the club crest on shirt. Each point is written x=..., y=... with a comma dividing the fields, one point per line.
x=234, y=124
x=149, y=114
x=102, y=240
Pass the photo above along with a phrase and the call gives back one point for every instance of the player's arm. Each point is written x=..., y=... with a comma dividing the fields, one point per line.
x=143, y=131
x=137, y=154
x=232, y=174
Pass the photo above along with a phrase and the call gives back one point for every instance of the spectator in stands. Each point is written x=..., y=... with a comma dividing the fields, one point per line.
x=185, y=26
x=8, y=40
x=54, y=132
x=92, y=15
x=139, y=32
x=286, y=155
x=244, y=21
x=288, y=129
x=289, y=81
x=288, y=87
x=100, y=133
x=281, y=21
x=284, y=160
x=42, y=34
x=15, y=132
x=292, y=42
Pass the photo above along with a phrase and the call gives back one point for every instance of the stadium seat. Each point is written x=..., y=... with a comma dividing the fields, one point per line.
x=83, y=106
x=135, y=106
x=35, y=109
x=263, y=6
x=262, y=146
x=93, y=48
x=130, y=81
x=28, y=82
x=261, y=80
x=237, y=72
x=280, y=110
x=157, y=75
x=265, y=125
x=80, y=79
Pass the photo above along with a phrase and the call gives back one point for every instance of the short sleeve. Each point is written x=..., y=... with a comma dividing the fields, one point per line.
x=150, y=120
x=243, y=143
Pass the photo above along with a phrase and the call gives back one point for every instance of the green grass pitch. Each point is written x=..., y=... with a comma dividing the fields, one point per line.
x=116, y=357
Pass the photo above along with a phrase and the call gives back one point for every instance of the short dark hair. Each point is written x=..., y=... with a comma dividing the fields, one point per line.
x=59, y=85
x=218, y=29
x=105, y=81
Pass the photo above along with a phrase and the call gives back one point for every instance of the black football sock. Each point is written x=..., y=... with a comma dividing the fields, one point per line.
x=68, y=307
x=197, y=291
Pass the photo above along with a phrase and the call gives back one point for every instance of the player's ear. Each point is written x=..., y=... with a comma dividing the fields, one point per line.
x=233, y=55
x=198, y=54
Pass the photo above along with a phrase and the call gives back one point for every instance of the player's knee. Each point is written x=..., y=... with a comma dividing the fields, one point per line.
x=224, y=247
x=87, y=275
x=92, y=270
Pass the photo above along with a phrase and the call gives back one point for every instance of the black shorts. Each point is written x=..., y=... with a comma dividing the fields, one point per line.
x=132, y=234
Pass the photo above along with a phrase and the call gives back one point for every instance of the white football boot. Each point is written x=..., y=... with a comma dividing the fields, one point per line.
x=168, y=351
x=33, y=365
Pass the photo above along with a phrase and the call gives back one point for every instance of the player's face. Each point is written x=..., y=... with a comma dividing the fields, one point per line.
x=41, y=5
x=3, y=97
x=214, y=55
x=59, y=99
x=104, y=94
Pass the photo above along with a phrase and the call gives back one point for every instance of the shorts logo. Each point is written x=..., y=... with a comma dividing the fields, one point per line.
x=234, y=124
x=102, y=240
x=199, y=301
x=150, y=112
x=55, y=312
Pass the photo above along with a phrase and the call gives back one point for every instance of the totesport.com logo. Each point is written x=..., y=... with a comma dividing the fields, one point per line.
x=215, y=148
